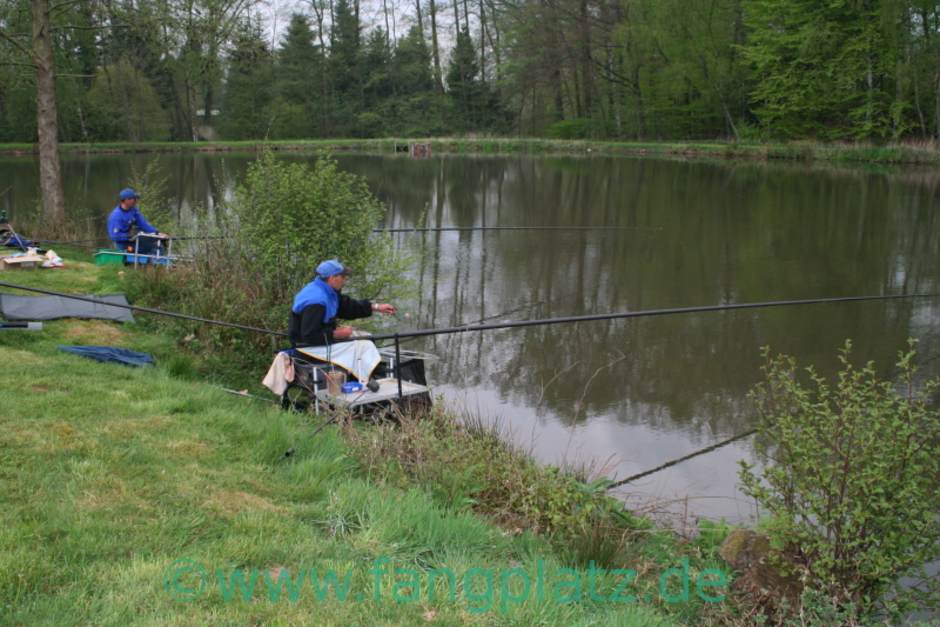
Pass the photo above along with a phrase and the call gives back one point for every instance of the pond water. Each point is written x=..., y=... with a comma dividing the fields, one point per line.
x=619, y=396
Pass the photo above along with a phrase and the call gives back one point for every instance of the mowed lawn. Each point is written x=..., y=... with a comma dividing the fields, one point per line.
x=130, y=495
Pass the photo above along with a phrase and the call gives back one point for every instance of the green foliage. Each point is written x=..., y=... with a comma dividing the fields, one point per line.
x=246, y=110
x=819, y=68
x=122, y=104
x=153, y=186
x=474, y=105
x=293, y=216
x=286, y=218
x=578, y=128
x=299, y=76
x=851, y=482
x=657, y=69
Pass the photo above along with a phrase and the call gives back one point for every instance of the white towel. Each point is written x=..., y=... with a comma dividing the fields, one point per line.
x=359, y=357
x=280, y=374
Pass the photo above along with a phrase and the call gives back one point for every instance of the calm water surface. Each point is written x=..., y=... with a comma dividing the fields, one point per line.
x=622, y=396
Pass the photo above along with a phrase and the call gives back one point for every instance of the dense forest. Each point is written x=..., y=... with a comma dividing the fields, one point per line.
x=637, y=69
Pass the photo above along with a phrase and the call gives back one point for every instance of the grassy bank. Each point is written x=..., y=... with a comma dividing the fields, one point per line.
x=903, y=153
x=118, y=485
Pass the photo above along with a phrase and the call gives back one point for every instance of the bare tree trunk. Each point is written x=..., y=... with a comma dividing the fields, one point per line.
x=435, y=49
x=936, y=103
x=47, y=121
x=209, y=94
x=482, y=42
x=587, y=86
x=332, y=23
x=358, y=23
x=318, y=11
x=388, y=32
x=420, y=19
x=492, y=33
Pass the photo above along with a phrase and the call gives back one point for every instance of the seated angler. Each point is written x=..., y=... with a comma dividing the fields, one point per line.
x=313, y=322
x=126, y=221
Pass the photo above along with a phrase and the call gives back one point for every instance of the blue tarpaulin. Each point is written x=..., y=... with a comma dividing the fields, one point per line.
x=18, y=241
x=110, y=354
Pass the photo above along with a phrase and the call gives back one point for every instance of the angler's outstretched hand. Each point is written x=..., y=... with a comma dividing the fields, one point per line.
x=384, y=308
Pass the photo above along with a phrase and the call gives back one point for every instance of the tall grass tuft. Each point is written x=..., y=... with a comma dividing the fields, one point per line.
x=466, y=463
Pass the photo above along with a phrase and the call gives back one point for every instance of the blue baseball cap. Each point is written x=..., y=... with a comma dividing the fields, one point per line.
x=331, y=267
x=128, y=192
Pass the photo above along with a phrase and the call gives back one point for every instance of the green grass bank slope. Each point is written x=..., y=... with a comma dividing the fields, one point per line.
x=144, y=496
x=900, y=153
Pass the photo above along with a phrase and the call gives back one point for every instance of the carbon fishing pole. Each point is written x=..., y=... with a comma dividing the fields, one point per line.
x=439, y=229
x=679, y=460
x=150, y=310
x=404, y=229
x=643, y=313
x=522, y=323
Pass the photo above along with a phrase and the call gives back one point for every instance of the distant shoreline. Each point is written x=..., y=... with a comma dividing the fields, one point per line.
x=907, y=154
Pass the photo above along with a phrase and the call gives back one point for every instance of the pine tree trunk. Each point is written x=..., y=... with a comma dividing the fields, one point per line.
x=47, y=122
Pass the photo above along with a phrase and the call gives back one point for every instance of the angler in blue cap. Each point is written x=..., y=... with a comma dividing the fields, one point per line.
x=126, y=221
x=321, y=302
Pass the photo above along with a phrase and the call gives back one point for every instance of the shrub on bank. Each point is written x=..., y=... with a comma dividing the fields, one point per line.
x=851, y=482
x=285, y=218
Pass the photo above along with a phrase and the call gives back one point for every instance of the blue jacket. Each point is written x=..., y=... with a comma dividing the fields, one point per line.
x=317, y=292
x=120, y=223
x=315, y=310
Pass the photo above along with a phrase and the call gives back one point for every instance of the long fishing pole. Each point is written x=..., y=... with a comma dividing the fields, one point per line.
x=408, y=229
x=679, y=460
x=440, y=229
x=524, y=323
x=150, y=310
x=642, y=313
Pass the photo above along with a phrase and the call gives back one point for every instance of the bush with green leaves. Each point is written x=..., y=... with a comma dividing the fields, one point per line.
x=285, y=219
x=851, y=481
x=293, y=216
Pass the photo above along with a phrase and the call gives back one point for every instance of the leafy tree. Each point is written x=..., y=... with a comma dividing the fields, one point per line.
x=123, y=105
x=246, y=106
x=840, y=69
x=820, y=68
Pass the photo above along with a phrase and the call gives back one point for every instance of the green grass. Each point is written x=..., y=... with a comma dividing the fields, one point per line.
x=109, y=476
x=900, y=153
